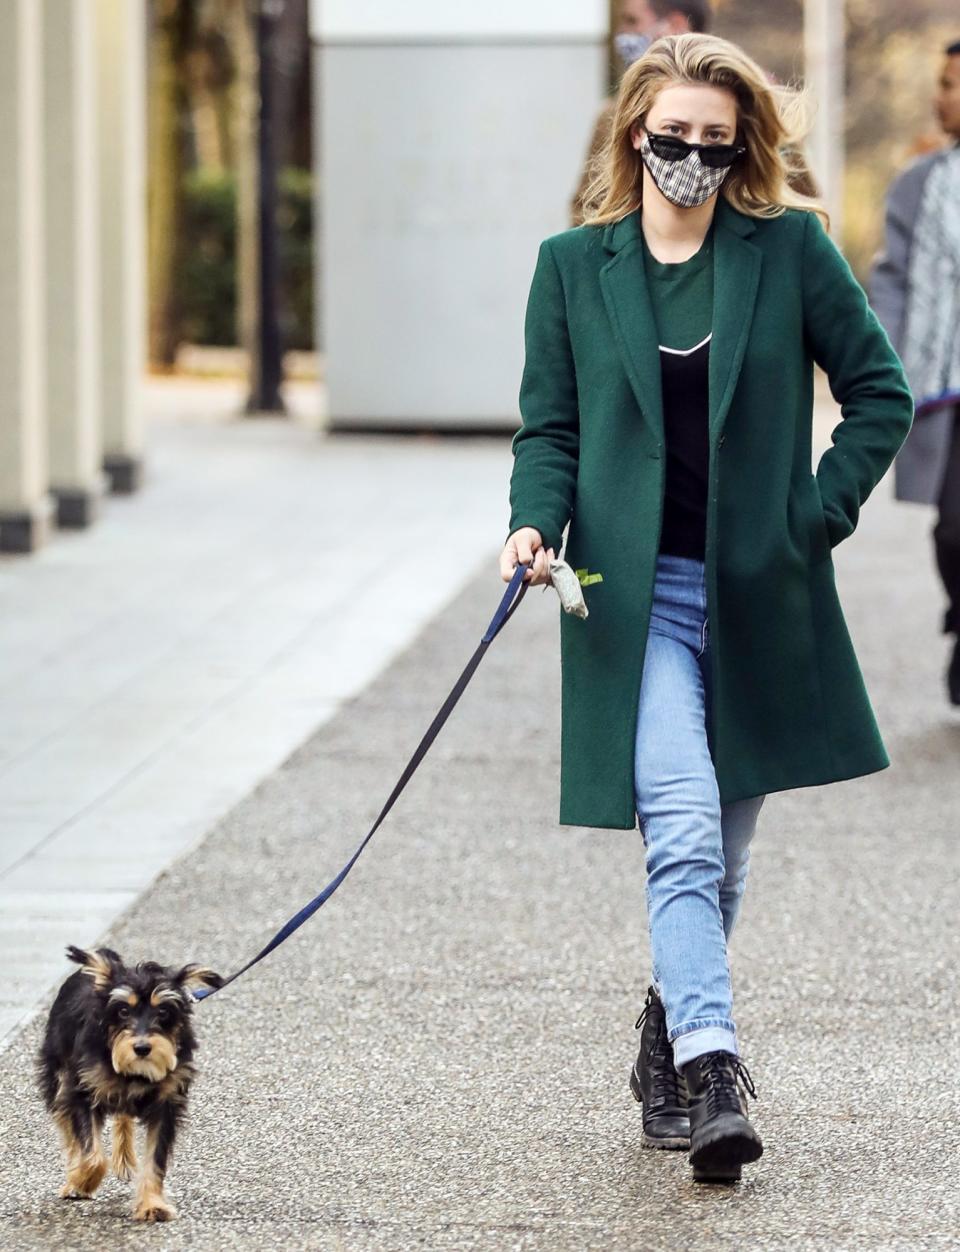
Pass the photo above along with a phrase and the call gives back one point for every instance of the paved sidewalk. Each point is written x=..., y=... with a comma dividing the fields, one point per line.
x=156, y=667
x=439, y=1059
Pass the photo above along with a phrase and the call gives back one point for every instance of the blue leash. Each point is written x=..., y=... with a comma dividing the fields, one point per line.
x=507, y=607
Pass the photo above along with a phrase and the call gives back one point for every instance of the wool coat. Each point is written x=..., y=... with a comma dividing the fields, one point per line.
x=921, y=465
x=789, y=707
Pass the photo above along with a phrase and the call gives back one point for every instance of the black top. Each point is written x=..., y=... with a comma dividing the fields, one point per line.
x=684, y=381
x=682, y=297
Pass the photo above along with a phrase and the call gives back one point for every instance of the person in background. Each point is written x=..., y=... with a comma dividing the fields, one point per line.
x=915, y=290
x=641, y=22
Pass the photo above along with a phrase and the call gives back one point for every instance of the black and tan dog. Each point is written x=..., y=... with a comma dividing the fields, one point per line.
x=119, y=1043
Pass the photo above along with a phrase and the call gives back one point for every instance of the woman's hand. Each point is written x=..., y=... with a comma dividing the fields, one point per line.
x=525, y=547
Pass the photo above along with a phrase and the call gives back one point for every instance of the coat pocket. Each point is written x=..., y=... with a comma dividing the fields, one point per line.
x=807, y=525
x=819, y=536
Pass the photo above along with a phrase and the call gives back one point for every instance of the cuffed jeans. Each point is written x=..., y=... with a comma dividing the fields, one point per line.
x=697, y=850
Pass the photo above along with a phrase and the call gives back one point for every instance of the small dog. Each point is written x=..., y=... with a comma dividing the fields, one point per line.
x=119, y=1043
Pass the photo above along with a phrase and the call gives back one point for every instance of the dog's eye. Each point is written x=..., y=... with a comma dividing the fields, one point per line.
x=124, y=1014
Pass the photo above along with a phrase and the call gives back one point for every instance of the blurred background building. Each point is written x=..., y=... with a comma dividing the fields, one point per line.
x=72, y=294
x=448, y=136
x=379, y=228
x=890, y=56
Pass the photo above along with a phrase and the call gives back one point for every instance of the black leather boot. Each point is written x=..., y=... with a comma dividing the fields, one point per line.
x=655, y=1083
x=721, y=1137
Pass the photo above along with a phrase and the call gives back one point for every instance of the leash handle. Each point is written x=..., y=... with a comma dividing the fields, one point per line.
x=509, y=604
x=514, y=593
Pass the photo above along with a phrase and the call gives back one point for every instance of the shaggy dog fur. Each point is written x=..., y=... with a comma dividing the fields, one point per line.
x=119, y=1043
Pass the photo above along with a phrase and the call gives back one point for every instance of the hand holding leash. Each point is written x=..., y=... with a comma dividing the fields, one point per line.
x=525, y=547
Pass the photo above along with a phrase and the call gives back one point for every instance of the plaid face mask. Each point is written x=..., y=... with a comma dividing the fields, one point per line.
x=687, y=183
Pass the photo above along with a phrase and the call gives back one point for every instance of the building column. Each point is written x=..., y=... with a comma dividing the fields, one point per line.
x=24, y=503
x=72, y=343
x=824, y=50
x=121, y=141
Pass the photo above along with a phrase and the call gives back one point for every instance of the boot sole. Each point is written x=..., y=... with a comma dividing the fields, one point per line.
x=665, y=1143
x=719, y=1158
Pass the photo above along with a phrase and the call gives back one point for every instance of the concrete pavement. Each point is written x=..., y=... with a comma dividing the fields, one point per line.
x=155, y=668
x=439, y=1059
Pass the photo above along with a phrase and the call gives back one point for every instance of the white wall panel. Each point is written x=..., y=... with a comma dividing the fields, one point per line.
x=442, y=169
x=351, y=20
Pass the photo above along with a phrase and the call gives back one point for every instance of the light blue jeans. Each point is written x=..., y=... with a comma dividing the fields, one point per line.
x=697, y=850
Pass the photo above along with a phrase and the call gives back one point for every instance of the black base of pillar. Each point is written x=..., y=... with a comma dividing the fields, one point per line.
x=124, y=472
x=76, y=508
x=22, y=532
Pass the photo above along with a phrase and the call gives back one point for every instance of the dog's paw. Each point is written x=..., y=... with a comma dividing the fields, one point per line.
x=69, y=1192
x=84, y=1179
x=154, y=1209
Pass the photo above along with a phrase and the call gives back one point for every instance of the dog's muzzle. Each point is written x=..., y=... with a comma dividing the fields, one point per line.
x=151, y=1057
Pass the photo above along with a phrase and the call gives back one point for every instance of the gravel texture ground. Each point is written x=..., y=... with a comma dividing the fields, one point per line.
x=439, y=1060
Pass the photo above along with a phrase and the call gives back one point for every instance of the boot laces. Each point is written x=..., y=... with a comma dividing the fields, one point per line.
x=645, y=1011
x=665, y=1080
x=724, y=1076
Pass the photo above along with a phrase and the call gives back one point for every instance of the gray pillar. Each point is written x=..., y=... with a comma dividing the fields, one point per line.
x=121, y=140
x=451, y=138
x=24, y=503
x=824, y=48
x=72, y=342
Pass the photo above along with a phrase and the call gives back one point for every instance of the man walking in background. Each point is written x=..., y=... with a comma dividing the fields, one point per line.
x=641, y=22
x=915, y=289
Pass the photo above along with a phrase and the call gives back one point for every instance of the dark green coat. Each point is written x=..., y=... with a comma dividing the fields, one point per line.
x=790, y=708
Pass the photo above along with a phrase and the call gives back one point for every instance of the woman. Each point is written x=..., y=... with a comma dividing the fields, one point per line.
x=667, y=409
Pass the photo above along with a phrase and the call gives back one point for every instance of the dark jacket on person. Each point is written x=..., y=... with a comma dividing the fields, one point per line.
x=922, y=461
x=789, y=707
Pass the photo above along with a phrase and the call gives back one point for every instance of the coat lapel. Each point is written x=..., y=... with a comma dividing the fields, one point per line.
x=736, y=277
x=623, y=281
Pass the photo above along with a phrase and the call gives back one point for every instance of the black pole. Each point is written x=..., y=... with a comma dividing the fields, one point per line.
x=267, y=368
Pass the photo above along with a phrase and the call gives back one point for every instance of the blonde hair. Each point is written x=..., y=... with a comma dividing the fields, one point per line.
x=771, y=124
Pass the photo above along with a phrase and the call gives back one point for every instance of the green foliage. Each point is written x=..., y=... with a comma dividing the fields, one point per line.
x=206, y=279
x=295, y=229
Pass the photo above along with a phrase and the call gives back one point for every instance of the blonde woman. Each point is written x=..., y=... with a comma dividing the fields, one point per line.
x=667, y=403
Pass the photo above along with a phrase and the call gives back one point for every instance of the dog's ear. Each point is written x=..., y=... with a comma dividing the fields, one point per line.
x=101, y=965
x=193, y=976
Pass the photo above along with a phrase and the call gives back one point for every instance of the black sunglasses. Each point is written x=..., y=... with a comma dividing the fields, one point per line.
x=716, y=156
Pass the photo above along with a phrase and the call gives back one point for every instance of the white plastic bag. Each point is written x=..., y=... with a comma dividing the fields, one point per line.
x=567, y=586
